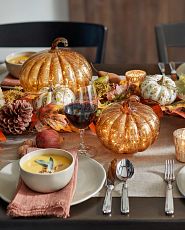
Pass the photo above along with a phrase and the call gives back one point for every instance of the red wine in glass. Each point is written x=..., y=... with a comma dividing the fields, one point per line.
x=80, y=114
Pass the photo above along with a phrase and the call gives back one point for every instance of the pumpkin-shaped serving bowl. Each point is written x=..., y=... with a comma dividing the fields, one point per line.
x=57, y=66
x=129, y=127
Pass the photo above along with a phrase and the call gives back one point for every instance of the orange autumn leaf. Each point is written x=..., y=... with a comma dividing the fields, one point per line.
x=178, y=111
x=157, y=109
x=154, y=105
x=34, y=120
x=2, y=137
x=92, y=127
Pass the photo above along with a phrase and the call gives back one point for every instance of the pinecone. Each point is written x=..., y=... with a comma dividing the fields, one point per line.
x=15, y=117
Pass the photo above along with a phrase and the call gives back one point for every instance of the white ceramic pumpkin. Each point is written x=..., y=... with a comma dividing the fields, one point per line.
x=159, y=88
x=57, y=94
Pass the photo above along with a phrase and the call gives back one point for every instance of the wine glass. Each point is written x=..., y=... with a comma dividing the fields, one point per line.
x=80, y=112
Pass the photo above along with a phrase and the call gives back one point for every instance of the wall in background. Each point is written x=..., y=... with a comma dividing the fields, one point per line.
x=131, y=37
x=33, y=10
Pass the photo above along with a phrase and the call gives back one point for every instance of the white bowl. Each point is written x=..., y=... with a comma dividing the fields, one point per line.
x=12, y=64
x=47, y=182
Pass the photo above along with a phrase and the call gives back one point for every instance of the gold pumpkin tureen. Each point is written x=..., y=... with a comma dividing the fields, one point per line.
x=57, y=65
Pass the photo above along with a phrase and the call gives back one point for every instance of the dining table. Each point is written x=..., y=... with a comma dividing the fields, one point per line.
x=146, y=207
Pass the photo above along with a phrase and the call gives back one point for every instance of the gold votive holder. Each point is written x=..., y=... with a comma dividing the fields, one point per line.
x=135, y=78
x=179, y=141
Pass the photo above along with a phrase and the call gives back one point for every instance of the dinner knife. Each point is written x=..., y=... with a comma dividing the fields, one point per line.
x=111, y=174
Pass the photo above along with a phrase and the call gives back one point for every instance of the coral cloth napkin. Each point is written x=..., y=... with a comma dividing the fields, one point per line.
x=10, y=81
x=30, y=203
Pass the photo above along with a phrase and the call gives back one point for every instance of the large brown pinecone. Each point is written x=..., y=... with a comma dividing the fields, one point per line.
x=15, y=117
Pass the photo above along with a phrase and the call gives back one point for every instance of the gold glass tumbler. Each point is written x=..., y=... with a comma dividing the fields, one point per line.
x=179, y=141
x=135, y=78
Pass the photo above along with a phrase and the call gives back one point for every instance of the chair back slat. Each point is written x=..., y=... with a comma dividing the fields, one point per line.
x=168, y=36
x=41, y=34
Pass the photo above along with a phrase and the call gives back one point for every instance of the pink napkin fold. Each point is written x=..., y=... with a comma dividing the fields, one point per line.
x=9, y=80
x=30, y=203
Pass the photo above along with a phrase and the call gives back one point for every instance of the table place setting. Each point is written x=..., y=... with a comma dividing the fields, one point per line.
x=45, y=197
x=23, y=201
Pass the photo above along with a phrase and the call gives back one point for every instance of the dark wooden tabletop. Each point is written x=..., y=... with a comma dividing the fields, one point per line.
x=121, y=69
x=145, y=213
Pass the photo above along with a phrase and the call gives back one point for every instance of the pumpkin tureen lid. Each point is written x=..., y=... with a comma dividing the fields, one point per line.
x=62, y=66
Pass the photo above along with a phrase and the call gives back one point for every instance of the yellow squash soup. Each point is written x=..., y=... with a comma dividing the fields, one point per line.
x=19, y=59
x=32, y=165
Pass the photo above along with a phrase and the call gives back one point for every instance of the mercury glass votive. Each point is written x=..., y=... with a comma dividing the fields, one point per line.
x=179, y=141
x=135, y=78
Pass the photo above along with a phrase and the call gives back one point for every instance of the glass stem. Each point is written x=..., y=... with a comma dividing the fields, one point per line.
x=82, y=142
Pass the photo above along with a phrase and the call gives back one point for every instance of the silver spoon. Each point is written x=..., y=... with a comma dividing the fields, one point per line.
x=124, y=171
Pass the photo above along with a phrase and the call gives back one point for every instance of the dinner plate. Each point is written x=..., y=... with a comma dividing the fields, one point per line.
x=181, y=180
x=90, y=180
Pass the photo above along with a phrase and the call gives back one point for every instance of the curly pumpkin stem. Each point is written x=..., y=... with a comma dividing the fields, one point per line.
x=134, y=98
x=126, y=104
x=125, y=107
x=57, y=41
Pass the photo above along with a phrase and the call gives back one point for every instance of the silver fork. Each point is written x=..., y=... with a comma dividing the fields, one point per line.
x=169, y=177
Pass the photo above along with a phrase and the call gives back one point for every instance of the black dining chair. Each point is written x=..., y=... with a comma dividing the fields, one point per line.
x=169, y=36
x=41, y=34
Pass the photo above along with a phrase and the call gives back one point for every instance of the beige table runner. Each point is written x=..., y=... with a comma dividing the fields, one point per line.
x=149, y=165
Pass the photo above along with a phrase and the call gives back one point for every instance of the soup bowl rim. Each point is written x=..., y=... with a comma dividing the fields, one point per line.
x=40, y=152
x=13, y=55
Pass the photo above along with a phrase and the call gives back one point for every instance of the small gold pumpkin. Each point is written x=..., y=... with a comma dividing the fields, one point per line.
x=129, y=127
x=57, y=65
